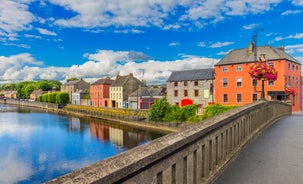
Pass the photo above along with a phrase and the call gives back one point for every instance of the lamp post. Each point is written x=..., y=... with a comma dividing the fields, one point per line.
x=263, y=71
x=262, y=98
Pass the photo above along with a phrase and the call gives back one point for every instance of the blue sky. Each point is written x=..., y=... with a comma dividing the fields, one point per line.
x=92, y=39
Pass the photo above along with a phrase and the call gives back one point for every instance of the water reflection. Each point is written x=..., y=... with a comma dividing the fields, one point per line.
x=36, y=146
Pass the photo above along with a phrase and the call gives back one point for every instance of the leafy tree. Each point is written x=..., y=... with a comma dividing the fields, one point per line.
x=159, y=109
x=56, y=84
x=28, y=89
x=44, y=85
x=8, y=86
x=72, y=79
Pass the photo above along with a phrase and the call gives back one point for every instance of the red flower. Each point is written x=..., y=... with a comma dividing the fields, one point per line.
x=290, y=91
x=263, y=71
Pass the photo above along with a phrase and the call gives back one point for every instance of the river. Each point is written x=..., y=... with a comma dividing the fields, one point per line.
x=36, y=146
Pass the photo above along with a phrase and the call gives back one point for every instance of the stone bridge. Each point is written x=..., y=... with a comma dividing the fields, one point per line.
x=196, y=154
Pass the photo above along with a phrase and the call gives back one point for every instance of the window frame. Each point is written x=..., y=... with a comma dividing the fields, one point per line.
x=239, y=98
x=225, y=98
x=239, y=68
x=225, y=84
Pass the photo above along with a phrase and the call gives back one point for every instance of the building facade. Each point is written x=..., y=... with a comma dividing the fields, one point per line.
x=234, y=86
x=74, y=86
x=35, y=94
x=79, y=98
x=121, y=88
x=99, y=92
x=191, y=87
x=145, y=96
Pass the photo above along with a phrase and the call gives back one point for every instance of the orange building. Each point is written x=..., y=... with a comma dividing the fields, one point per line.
x=99, y=92
x=234, y=86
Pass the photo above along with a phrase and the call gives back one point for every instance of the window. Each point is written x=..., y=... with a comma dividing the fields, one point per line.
x=185, y=83
x=297, y=67
x=225, y=98
x=239, y=68
x=225, y=82
x=225, y=69
x=196, y=83
x=254, y=97
x=211, y=89
x=254, y=82
x=297, y=82
x=176, y=92
x=271, y=64
x=271, y=83
x=239, y=98
x=185, y=93
x=289, y=66
x=239, y=82
x=293, y=67
x=196, y=92
x=175, y=83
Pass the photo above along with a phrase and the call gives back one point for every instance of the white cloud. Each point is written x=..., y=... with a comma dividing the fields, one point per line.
x=118, y=13
x=291, y=12
x=223, y=52
x=220, y=44
x=201, y=44
x=100, y=64
x=250, y=26
x=294, y=49
x=172, y=44
x=297, y=2
x=296, y=36
x=46, y=32
x=15, y=16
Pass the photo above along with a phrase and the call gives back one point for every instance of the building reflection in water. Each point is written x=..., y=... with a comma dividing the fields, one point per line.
x=121, y=136
x=74, y=125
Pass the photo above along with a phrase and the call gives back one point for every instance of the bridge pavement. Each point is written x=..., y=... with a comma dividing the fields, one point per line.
x=276, y=156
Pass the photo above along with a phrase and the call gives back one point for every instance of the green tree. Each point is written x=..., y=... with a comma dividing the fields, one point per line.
x=28, y=89
x=72, y=79
x=44, y=85
x=56, y=84
x=159, y=109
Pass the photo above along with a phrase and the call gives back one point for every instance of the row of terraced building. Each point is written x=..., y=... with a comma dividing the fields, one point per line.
x=227, y=83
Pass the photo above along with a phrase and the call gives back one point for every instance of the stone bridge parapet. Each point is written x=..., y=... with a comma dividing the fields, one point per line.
x=196, y=154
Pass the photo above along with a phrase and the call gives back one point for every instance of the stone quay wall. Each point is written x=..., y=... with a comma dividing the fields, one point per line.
x=19, y=102
x=195, y=154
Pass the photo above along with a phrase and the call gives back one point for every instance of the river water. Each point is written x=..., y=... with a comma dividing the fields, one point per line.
x=36, y=146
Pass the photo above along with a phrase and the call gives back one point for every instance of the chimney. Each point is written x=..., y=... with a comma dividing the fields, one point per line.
x=282, y=48
x=251, y=48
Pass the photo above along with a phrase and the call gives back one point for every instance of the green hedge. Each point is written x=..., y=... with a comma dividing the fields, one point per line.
x=56, y=97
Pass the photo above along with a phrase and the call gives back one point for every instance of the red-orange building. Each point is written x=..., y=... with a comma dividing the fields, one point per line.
x=234, y=86
x=99, y=92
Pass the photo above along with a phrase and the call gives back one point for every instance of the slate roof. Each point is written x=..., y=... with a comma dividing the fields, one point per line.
x=73, y=82
x=121, y=81
x=191, y=75
x=148, y=91
x=246, y=56
x=107, y=81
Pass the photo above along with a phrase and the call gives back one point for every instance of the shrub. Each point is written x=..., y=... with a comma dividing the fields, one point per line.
x=62, y=98
x=159, y=110
x=215, y=109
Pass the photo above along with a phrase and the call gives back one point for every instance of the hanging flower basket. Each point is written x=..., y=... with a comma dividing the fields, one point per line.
x=290, y=91
x=263, y=71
